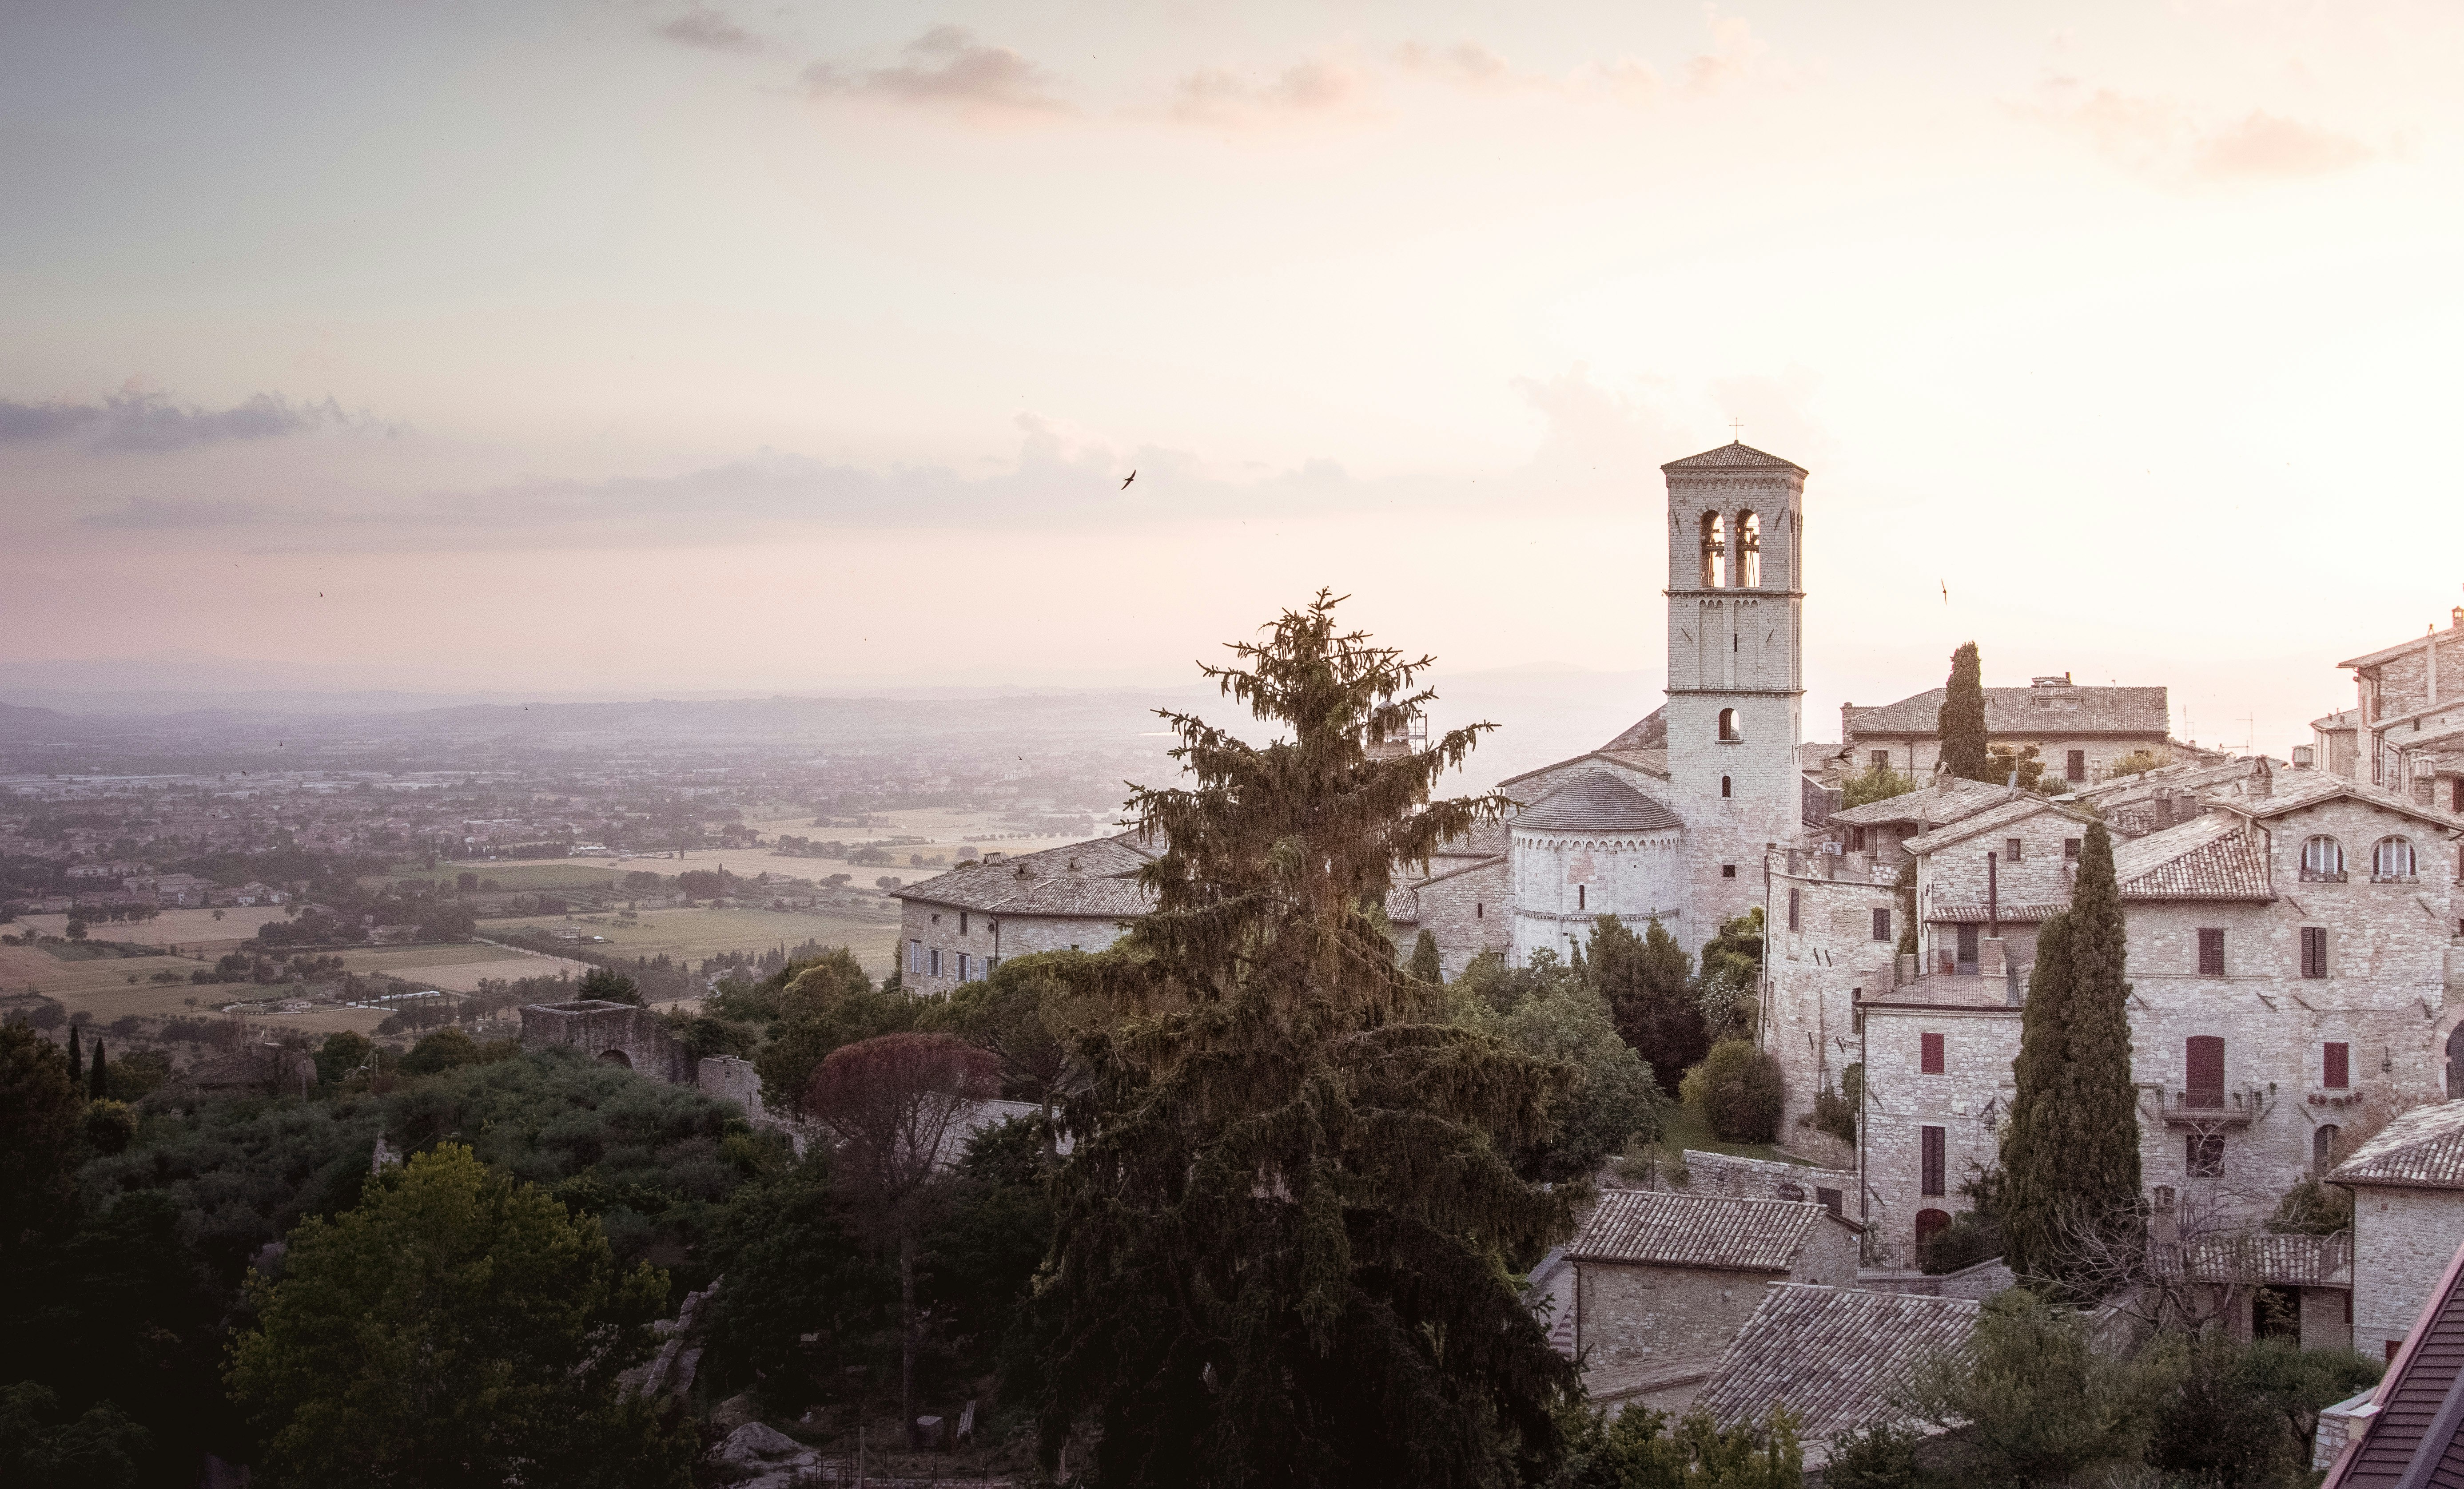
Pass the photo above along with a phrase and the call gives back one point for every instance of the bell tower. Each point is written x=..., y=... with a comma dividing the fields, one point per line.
x=1736, y=531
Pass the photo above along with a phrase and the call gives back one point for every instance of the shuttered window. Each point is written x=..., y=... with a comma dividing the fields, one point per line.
x=2336, y=1066
x=1795, y=917
x=2202, y=1059
x=2211, y=953
x=1881, y=924
x=2074, y=768
x=2203, y=1154
x=1929, y=1060
x=2314, y=951
x=1930, y=1159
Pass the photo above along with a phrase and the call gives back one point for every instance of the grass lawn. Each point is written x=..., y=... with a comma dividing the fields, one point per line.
x=694, y=935
x=1682, y=1126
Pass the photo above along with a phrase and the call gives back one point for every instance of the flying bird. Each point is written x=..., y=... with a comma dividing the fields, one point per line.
x=1127, y=479
x=1945, y=591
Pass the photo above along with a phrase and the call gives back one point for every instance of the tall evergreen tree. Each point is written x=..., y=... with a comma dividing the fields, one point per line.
x=95, y=1088
x=1425, y=964
x=1960, y=725
x=1647, y=982
x=1286, y=1231
x=2070, y=1155
x=76, y=1059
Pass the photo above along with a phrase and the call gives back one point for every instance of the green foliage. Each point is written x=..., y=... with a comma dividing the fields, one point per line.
x=608, y=986
x=704, y=1037
x=2139, y=762
x=1874, y=783
x=449, y=1049
x=1737, y=1089
x=136, y=1077
x=2070, y=1153
x=1286, y=1233
x=1834, y=1113
x=1551, y=1013
x=2244, y=1415
x=1732, y=969
x=794, y=1268
x=1022, y=1015
x=828, y=1006
x=107, y=1127
x=2031, y=1401
x=1639, y=1449
x=1975, y=1234
x=1879, y=1455
x=455, y=1328
x=1647, y=982
x=1425, y=963
x=342, y=1054
x=1960, y=724
x=97, y=1079
x=1903, y=890
x=2002, y=764
x=41, y=1447
x=2311, y=1208
x=39, y=1115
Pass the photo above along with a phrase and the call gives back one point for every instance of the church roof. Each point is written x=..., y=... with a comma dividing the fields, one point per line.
x=1597, y=802
x=1647, y=732
x=2050, y=711
x=1734, y=456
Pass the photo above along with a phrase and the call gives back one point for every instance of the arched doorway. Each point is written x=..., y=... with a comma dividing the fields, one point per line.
x=2322, y=1149
x=1930, y=1223
x=615, y=1056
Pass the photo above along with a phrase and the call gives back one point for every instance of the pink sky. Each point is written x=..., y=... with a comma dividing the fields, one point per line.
x=617, y=345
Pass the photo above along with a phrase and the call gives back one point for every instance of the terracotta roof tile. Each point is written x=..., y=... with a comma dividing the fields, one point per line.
x=2423, y=1149
x=2027, y=711
x=1831, y=1355
x=2260, y=1258
x=1929, y=805
x=2211, y=857
x=1734, y=456
x=1649, y=1226
x=1102, y=886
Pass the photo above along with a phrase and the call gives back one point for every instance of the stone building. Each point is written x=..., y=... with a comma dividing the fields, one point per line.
x=2406, y=1430
x=2408, y=1185
x=2078, y=732
x=2291, y=948
x=1664, y=1281
x=2405, y=731
x=955, y=927
x=1834, y=1356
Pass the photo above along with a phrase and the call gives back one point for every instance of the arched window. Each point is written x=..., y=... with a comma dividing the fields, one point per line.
x=1746, y=573
x=2322, y=861
x=1724, y=786
x=1728, y=730
x=2322, y=1149
x=1715, y=551
x=2391, y=859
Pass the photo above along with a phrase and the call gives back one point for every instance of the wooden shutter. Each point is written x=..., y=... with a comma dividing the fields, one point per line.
x=2203, y=1056
x=1930, y=1153
x=2336, y=1069
x=1930, y=1059
x=2314, y=951
x=1882, y=923
x=2211, y=953
x=1794, y=922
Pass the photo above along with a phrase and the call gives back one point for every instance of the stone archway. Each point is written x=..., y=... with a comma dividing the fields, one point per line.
x=615, y=1056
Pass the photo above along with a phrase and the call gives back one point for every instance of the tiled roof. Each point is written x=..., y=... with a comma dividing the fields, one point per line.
x=2213, y=857
x=1651, y=762
x=2027, y=711
x=1647, y=732
x=2261, y=1257
x=1597, y=802
x=2423, y=1149
x=1654, y=1228
x=2453, y=635
x=1734, y=456
x=1831, y=1355
x=2294, y=790
x=1096, y=880
x=1927, y=806
x=1978, y=916
x=2410, y=1438
x=2014, y=808
x=2341, y=718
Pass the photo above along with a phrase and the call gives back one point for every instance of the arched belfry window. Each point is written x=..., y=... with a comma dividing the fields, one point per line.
x=1715, y=551
x=1728, y=730
x=1747, y=572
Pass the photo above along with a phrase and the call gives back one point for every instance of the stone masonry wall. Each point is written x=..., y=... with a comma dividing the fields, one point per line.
x=1468, y=911
x=1565, y=881
x=926, y=928
x=618, y=1033
x=2402, y=1241
x=1818, y=969
x=1967, y=1101
x=1634, y=1319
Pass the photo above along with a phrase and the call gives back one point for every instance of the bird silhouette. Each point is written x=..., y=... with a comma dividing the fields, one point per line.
x=1127, y=479
x=1945, y=591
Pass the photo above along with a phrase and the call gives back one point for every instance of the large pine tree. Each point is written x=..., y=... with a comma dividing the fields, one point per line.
x=1286, y=1234
x=1960, y=725
x=2070, y=1155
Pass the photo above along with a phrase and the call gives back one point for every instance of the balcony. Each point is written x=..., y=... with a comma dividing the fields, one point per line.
x=2209, y=1107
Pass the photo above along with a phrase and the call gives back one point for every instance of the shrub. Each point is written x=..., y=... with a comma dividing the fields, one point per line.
x=1880, y=1456
x=2311, y=1208
x=1834, y=1113
x=1737, y=1089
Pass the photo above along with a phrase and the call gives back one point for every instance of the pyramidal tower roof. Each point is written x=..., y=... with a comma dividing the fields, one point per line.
x=1735, y=456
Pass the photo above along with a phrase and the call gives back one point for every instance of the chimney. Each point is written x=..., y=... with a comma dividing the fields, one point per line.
x=2262, y=779
x=2161, y=808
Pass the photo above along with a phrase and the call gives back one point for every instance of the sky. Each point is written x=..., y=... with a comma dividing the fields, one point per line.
x=623, y=346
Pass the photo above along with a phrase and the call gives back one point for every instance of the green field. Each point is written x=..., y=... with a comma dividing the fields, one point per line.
x=1681, y=1127
x=694, y=935
x=526, y=877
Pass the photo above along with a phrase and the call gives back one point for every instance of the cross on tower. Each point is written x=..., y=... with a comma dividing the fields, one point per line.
x=1736, y=430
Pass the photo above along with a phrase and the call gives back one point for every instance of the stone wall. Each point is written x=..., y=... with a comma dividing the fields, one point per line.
x=617, y=1033
x=1632, y=1322
x=2403, y=1239
x=925, y=927
x=1565, y=881
x=1819, y=972
x=1468, y=910
x=1967, y=1101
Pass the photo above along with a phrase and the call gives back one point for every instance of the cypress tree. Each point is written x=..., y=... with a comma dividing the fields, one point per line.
x=76, y=1059
x=1960, y=725
x=2070, y=1155
x=1425, y=964
x=96, y=1090
x=1286, y=1238
x=1648, y=983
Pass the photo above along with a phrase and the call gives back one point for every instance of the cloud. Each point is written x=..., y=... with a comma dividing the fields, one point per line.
x=133, y=420
x=2161, y=138
x=1215, y=97
x=947, y=68
x=1736, y=54
x=710, y=31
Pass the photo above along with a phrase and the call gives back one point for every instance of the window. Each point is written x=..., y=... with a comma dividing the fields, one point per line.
x=1728, y=870
x=2392, y=860
x=1748, y=567
x=934, y=956
x=1930, y=1057
x=2455, y=806
x=1882, y=923
x=1856, y=840
x=2164, y=1194
x=2322, y=1149
x=2010, y=850
x=962, y=922
x=2211, y=953
x=1725, y=787
x=1728, y=733
x=2314, y=951
x=1930, y=1223
x=1476, y=909
x=2203, y=1060
x=1968, y=941
x=992, y=964
x=2075, y=766
x=1830, y=1199
x=1880, y=760
x=1929, y=1158
x=1715, y=551
x=1796, y=918
x=962, y=968
x=1582, y=896
x=2322, y=861
x=2336, y=1065
x=2070, y=852
x=2203, y=1154
x=915, y=957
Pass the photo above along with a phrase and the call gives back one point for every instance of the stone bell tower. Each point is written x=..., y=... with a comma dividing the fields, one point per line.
x=1736, y=530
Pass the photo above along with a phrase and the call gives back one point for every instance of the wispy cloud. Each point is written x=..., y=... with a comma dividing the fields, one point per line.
x=947, y=67
x=710, y=31
x=146, y=421
x=2165, y=140
x=1315, y=88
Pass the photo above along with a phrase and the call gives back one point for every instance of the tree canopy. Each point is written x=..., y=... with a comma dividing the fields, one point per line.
x=1647, y=982
x=1960, y=724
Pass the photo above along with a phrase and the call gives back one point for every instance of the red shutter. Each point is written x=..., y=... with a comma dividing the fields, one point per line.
x=2204, y=1056
x=1932, y=1055
x=1930, y=1158
x=2337, y=1068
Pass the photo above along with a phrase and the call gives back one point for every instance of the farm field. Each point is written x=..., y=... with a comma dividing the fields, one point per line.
x=518, y=877
x=184, y=929
x=692, y=935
